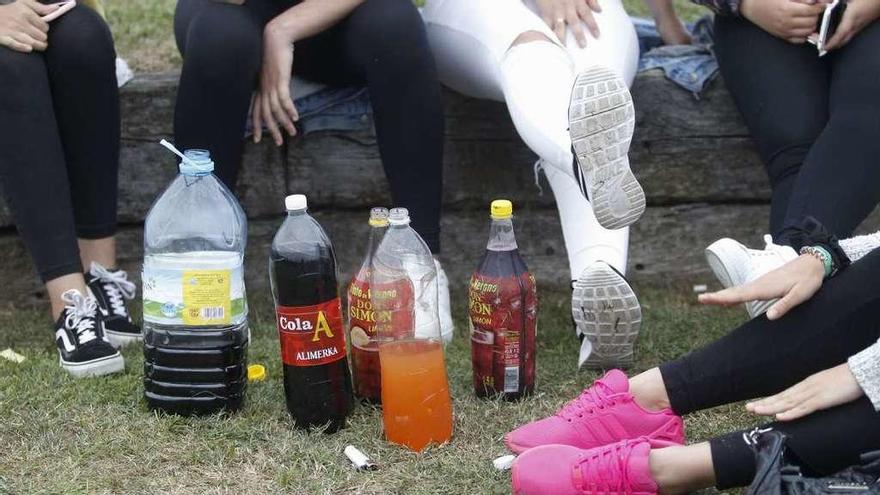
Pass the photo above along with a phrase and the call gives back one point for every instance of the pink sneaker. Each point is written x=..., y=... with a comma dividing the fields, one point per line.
x=603, y=414
x=622, y=467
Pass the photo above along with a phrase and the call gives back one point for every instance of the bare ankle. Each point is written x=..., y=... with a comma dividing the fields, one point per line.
x=682, y=469
x=649, y=390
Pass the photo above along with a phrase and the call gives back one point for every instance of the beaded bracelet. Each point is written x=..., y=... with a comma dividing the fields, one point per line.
x=822, y=255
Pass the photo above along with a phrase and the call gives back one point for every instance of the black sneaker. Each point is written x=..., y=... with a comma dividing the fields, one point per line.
x=79, y=335
x=111, y=288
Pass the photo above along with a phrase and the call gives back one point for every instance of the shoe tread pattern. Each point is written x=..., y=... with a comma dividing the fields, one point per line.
x=601, y=125
x=607, y=312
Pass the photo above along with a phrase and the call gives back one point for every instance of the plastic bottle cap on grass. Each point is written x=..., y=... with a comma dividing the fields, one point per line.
x=256, y=373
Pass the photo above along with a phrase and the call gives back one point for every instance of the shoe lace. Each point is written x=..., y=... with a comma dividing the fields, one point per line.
x=592, y=399
x=116, y=285
x=605, y=470
x=80, y=315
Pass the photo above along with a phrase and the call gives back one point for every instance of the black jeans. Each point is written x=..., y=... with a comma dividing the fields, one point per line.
x=59, y=139
x=764, y=357
x=815, y=121
x=381, y=44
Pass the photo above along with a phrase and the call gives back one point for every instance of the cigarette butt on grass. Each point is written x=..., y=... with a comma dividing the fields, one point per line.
x=13, y=356
x=359, y=460
x=504, y=462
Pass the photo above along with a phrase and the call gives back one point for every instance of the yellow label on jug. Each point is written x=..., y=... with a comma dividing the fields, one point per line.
x=206, y=297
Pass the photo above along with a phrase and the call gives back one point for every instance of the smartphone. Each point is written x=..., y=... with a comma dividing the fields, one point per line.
x=829, y=22
x=63, y=8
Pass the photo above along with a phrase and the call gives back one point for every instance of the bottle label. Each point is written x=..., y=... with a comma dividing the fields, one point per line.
x=311, y=335
x=361, y=318
x=503, y=323
x=194, y=297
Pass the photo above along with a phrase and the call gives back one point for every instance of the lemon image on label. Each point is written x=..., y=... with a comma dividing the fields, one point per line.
x=359, y=337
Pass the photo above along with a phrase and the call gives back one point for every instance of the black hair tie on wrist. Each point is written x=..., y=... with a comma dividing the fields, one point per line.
x=811, y=232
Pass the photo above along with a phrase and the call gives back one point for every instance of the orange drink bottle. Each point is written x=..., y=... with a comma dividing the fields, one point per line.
x=416, y=407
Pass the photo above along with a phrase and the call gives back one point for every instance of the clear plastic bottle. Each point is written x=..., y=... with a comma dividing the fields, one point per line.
x=195, y=306
x=302, y=270
x=503, y=310
x=365, y=374
x=416, y=406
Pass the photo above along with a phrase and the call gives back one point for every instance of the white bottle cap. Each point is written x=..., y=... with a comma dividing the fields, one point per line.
x=399, y=216
x=296, y=202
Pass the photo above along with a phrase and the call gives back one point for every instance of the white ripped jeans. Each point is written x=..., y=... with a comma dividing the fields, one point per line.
x=473, y=41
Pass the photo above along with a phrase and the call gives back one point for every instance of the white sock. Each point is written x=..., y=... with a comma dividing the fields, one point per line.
x=860, y=245
x=586, y=242
x=537, y=78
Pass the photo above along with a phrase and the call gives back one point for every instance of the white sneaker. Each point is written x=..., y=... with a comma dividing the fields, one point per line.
x=443, y=305
x=601, y=121
x=734, y=264
x=607, y=314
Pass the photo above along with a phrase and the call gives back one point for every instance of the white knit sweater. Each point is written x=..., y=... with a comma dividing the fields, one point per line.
x=866, y=368
x=866, y=364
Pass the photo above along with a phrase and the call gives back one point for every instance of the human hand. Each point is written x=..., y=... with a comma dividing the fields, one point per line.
x=858, y=15
x=794, y=283
x=672, y=32
x=272, y=103
x=791, y=20
x=571, y=13
x=21, y=26
x=819, y=391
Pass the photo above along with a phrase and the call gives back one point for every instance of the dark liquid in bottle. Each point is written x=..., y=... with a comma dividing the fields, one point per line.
x=503, y=311
x=317, y=383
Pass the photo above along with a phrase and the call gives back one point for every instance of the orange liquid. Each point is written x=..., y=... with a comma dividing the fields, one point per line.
x=415, y=393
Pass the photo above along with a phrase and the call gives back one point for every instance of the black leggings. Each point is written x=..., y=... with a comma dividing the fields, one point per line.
x=381, y=44
x=59, y=135
x=815, y=121
x=764, y=357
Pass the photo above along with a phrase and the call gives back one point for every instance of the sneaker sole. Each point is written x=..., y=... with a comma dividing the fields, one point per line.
x=606, y=311
x=601, y=121
x=96, y=367
x=120, y=339
x=671, y=433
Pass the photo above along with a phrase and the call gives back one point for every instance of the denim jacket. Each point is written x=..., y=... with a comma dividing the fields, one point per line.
x=688, y=66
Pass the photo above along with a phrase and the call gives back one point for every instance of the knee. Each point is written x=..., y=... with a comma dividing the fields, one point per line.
x=390, y=31
x=224, y=43
x=530, y=37
x=80, y=42
x=785, y=147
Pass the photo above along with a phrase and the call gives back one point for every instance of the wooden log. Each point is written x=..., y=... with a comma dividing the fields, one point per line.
x=666, y=245
x=685, y=150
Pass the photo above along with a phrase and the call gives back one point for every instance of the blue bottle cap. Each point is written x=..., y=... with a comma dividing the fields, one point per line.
x=198, y=162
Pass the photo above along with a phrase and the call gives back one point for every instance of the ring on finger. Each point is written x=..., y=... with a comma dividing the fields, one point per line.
x=560, y=20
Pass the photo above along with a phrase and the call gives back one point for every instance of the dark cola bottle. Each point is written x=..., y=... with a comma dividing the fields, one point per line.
x=302, y=271
x=503, y=310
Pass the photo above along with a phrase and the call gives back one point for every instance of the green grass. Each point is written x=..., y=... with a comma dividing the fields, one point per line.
x=61, y=435
x=144, y=35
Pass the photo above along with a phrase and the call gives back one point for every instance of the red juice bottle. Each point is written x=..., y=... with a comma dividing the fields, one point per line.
x=503, y=310
x=366, y=375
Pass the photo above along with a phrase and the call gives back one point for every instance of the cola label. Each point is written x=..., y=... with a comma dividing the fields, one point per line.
x=503, y=313
x=311, y=335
